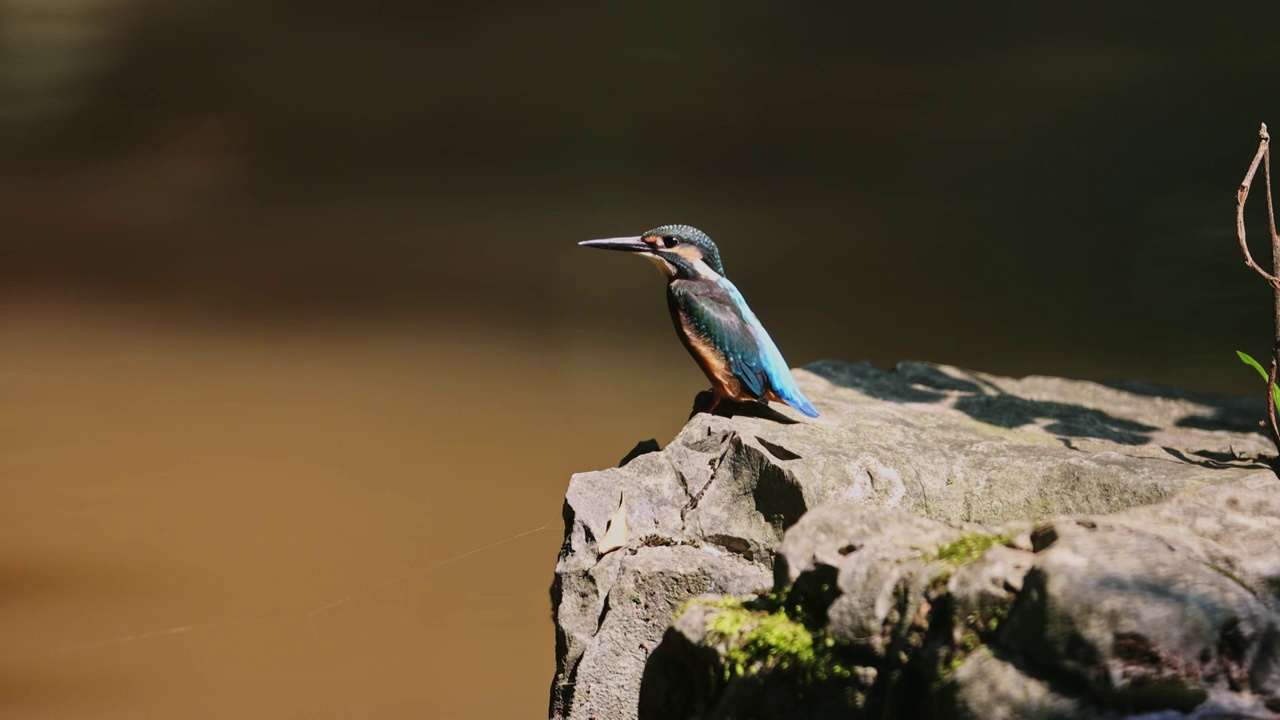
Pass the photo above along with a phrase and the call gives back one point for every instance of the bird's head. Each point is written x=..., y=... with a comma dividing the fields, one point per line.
x=679, y=251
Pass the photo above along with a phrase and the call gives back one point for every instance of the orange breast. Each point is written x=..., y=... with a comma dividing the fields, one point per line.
x=712, y=363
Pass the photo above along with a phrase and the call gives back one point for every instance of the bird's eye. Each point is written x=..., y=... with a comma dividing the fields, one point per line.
x=670, y=241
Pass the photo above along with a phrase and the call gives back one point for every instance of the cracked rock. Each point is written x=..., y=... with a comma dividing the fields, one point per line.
x=968, y=545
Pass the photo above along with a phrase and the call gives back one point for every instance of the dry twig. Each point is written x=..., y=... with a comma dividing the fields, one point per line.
x=1263, y=156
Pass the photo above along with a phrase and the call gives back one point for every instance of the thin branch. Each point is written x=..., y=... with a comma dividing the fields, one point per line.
x=1266, y=176
x=1243, y=194
x=1263, y=157
x=1271, y=396
x=1265, y=143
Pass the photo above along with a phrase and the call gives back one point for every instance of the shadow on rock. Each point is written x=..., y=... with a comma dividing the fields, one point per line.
x=676, y=681
x=1239, y=414
x=729, y=408
x=1010, y=411
x=1217, y=461
x=906, y=382
x=984, y=400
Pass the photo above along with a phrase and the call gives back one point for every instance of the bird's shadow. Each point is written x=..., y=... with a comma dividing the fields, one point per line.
x=974, y=395
x=729, y=408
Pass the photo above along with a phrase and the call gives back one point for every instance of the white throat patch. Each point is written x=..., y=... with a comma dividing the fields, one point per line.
x=663, y=266
x=704, y=271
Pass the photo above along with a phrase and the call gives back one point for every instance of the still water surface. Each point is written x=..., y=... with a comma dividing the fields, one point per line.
x=235, y=523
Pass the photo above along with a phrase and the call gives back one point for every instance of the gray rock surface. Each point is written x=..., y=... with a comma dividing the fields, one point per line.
x=1181, y=563
x=1146, y=613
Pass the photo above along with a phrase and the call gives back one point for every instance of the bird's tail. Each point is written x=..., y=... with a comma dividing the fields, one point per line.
x=797, y=400
x=784, y=389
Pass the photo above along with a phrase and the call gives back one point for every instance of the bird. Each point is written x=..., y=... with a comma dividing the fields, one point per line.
x=712, y=319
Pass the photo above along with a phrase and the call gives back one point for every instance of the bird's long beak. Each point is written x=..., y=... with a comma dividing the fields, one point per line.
x=626, y=244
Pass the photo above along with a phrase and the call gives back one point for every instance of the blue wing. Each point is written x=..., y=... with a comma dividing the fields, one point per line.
x=721, y=315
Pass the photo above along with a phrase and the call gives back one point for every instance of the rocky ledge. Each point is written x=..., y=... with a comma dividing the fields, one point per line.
x=941, y=543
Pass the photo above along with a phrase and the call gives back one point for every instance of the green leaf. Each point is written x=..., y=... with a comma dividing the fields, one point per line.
x=1247, y=360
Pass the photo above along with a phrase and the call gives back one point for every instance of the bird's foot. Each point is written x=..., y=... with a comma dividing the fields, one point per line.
x=710, y=402
x=705, y=402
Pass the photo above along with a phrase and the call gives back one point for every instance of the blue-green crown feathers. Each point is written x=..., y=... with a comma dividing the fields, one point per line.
x=694, y=236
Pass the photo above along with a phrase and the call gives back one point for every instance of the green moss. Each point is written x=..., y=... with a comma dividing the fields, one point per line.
x=969, y=547
x=987, y=619
x=947, y=666
x=994, y=617
x=758, y=635
x=727, y=602
x=774, y=640
x=729, y=622
x=938, y=583
x=971, y=632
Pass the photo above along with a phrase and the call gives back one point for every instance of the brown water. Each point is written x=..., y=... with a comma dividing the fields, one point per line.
x=216, y=523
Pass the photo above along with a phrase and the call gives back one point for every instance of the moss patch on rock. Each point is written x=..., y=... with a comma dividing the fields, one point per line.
x=757, y=635
x=970, y=547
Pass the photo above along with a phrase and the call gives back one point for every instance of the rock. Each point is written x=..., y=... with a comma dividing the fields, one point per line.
x=900, y=465
x=1103, y=617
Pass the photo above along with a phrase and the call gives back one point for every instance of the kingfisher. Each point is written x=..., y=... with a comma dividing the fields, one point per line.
x=712, y=318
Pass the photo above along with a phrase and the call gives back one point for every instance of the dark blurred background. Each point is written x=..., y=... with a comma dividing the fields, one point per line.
x=295, y=329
